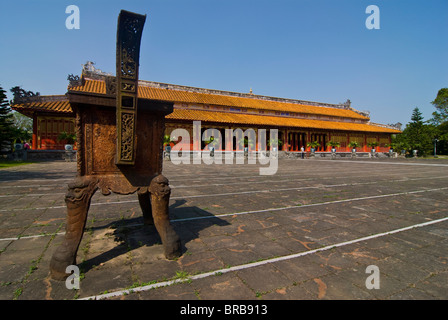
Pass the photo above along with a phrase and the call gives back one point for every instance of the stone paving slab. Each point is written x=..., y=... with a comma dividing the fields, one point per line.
x=291, y=236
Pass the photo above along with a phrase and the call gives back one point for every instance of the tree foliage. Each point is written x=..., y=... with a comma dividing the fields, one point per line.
x=419, y=134
x=334, y=144
x=6, y=120
x=14, y=127
x=422, y=135
x=441, y=105
x=22, y=122
x=440, y=120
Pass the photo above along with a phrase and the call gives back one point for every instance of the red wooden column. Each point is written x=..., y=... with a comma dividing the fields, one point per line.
x=308, y=134
x=228, y=141
x=304, y=140
x=294, y=142
x=34, y=144
x=291, y=141
x=347, y=148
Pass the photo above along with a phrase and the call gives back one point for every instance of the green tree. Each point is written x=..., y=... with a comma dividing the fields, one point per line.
x=440, y=121
x=442, y=138
x=418, y=135
x=22, y=128
x=313, y=144
x=441, y=104
x=399, y=142
x=6, y=121
x=333, y=144
x=246, y=142
x=353, y=144
x=373, y=144
x=22, y=122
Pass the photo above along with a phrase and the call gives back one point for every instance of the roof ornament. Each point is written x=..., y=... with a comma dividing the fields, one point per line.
x=250, y=91
x=89, y=70
x=347, y=104
x=88, y=66
x=21, y=95
x=74, y=80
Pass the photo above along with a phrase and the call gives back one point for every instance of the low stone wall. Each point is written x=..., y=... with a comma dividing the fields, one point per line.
x=337, y=155
x=46, y=155
x=293, y=155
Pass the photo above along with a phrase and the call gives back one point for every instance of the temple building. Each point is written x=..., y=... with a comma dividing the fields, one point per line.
x=298, y=122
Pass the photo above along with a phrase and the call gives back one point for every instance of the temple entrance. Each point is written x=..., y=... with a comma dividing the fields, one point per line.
x=296, y=140
x=49, y=129
x=321, y=138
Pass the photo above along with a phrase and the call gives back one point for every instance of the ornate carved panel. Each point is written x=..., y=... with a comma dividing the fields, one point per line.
x=130, y=28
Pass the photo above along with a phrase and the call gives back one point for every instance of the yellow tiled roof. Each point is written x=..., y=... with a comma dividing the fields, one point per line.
x=225, y=118
x=275, y=121
x=99, y=87
x=145, y=92
x=61, y=106
x=91, y=86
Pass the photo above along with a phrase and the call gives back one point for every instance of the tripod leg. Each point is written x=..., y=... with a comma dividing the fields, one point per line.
x=144, y=200
x=160, y=196
x=78, y=198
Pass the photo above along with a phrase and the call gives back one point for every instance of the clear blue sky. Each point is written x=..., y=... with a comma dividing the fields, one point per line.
x=318, y=50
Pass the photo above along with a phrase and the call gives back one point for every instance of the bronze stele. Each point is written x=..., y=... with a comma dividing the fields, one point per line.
x=119, y=149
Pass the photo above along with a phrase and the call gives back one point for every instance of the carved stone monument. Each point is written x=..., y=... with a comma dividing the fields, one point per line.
x=119, y=149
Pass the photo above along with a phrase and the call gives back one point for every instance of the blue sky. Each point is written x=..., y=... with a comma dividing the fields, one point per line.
x=318, y=50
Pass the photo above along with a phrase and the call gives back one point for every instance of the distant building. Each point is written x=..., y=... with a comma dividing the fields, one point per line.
x=298, y=122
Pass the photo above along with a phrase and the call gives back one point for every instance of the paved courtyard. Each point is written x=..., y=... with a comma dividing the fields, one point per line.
x=310, y=232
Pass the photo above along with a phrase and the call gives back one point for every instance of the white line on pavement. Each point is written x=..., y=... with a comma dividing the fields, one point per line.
x=256, y=264
x=233, y=193
x=389, y=162
x=311, y=204
x=268, y=210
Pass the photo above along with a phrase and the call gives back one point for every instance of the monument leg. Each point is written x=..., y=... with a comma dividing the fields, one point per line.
x=160, y=196
x=78, y=198
x=144, y=200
